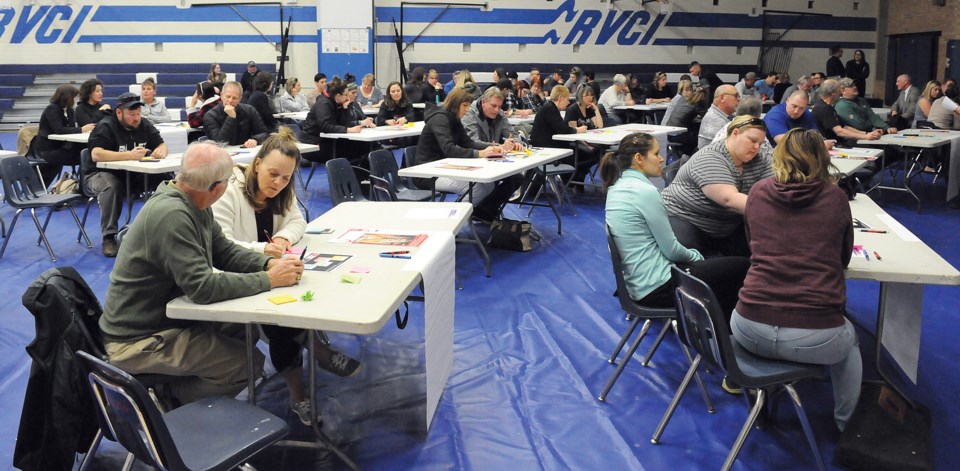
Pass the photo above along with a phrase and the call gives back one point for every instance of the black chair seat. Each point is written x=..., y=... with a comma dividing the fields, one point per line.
x=46, y=200
x=760, y=372
x=243, y=430
x=410, y=194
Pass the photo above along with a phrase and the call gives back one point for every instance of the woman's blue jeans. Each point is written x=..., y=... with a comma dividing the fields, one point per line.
x=837, y=347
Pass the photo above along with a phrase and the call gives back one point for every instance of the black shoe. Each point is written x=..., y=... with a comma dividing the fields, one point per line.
x=110, y=247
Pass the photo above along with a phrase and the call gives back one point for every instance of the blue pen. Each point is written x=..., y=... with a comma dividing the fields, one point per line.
x=393, y=255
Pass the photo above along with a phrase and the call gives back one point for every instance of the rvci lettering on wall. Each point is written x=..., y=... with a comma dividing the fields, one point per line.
x=47, y=24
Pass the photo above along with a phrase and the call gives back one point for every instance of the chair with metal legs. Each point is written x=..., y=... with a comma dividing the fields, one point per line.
x=22, y=190
x=707, y=332
x=215, y=433
x=635, y=314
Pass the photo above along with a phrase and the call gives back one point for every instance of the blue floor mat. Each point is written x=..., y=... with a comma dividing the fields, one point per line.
x=530, y=359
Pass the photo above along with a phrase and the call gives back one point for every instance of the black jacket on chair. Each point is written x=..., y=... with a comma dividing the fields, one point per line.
x=59, y=417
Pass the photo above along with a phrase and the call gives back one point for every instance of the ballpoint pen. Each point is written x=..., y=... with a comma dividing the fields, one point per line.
x=392, y=255
x=302, y=254
x=398, y=252
x=269, y=239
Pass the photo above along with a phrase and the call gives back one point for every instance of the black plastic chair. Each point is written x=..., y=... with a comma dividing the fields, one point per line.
x=215, y=433
x=707, y=332
x=636, y=313
x=84, y=155
x=22, y=190
x=380, y=190
x=383, y=165
x=343, y=182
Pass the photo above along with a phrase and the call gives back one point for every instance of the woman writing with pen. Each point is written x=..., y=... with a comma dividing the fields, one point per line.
x=259, y=211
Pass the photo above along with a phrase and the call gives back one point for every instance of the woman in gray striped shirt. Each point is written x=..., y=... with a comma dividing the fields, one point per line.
x=706, y=199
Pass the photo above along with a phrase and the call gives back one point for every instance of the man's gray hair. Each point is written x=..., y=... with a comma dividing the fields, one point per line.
x=232, y=83
x=619, y=79
x=492, y=92
x=803, y=80
x=199, y=174
x=829, y=87
x=750, y=105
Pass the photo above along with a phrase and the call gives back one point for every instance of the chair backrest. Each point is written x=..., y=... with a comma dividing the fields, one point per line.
x=623, y=296
x=670, y=171
x=20, y=182
x=131, y=415
x=704, y=324
x=384, y=166
x=626, y=303
x=343, y=183
x=84, y=167
x=409, y=157
x=921, y=124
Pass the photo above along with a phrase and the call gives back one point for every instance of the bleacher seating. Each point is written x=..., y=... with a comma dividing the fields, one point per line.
x=24, y=90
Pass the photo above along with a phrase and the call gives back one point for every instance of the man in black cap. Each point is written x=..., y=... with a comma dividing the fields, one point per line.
x=246, y=80
x=124, y=137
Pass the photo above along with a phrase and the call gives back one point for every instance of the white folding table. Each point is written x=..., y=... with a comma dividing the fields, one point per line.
x=174, y=136
x=905, y=265
x=918, y=142
x=361, y=308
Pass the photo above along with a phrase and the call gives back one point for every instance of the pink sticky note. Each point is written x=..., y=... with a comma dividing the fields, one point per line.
x=294, y=251
x=359, y=270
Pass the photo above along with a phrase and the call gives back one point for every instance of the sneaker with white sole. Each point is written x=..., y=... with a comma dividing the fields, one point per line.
x=341, y=365
x=302, y=409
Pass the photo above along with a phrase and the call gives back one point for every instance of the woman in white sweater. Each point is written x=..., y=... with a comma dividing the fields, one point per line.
x=259, y=211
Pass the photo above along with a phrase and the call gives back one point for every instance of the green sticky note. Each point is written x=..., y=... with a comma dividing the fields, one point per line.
x=352, y=279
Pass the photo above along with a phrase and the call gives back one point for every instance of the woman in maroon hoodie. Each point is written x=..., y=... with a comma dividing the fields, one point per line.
x=792, y=303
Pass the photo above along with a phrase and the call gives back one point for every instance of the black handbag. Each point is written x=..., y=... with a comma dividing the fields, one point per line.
x=509, y=234
x=850, y=185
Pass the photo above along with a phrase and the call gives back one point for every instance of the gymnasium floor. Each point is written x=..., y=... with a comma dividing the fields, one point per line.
x=530, y=349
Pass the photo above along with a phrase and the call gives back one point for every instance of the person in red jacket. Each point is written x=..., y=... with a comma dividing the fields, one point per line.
x=792, y=304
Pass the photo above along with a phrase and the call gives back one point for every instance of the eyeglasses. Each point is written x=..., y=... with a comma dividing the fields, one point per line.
x=751, y=122
x=735, y=95
x=229, y=179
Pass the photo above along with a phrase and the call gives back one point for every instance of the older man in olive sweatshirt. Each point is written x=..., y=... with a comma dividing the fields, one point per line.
x=175, y=248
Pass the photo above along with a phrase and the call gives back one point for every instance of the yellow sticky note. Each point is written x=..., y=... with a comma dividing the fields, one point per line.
x=282, y=299
x=352, y=279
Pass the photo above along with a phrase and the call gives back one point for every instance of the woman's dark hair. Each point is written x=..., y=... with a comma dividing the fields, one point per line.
x=417, y=75
x=521, y=84
x=86, y=88
x=336, y=87
x=456, y=98
x=285, y=142
x=64, y=96
x=501, y=73
x=613, y=164
x=388, y=100
x=262, y=82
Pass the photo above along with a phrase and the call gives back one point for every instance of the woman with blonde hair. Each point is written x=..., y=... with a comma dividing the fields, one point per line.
x=706, y=199
x=370, y=94
x=293, y=101
x=792, y=304
x=930, y=94
x=259, y=211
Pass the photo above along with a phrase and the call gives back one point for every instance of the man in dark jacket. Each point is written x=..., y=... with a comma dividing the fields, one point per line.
x=123, y=137
x=246, y=80
x=232, y=122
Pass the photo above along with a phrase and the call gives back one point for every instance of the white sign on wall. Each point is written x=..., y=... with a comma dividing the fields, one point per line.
x=344, y=40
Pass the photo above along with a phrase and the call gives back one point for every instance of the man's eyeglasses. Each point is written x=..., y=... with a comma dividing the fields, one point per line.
x=735, y=95
x=229, y=179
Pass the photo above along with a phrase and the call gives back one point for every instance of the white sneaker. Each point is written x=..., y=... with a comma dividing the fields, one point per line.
x=302, y=410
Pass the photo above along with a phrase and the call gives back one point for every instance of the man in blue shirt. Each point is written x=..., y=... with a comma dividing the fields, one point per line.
x=765, y=87
x=790, y=114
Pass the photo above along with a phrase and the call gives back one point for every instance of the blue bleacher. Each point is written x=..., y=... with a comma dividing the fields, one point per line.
x=12, y=92
x=15, y=79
